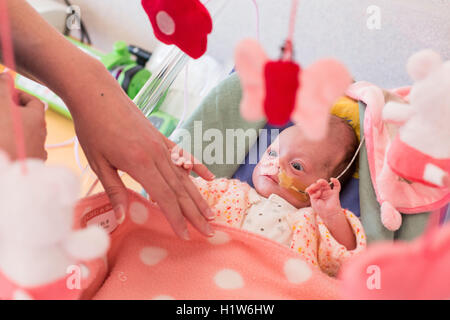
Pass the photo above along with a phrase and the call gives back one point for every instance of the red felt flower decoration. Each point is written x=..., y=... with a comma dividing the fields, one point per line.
x=184, y=23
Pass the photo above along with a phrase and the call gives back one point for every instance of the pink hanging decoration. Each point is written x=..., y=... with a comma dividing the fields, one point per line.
x=281, y=90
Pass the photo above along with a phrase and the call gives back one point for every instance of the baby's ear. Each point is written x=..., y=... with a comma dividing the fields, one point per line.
x=421, y=64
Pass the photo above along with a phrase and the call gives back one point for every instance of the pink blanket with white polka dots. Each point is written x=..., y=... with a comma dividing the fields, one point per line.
x=147, y=261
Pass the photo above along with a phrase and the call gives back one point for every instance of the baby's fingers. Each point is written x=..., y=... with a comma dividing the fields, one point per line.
x=184, y=159
x=336, y=185
x=174, y=156
x=202, y=171
x=319, y=185
x=188, y=166
x=313, y=189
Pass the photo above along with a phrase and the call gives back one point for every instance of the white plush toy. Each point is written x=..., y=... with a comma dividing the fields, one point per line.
x=421, y=150
x=37, y=242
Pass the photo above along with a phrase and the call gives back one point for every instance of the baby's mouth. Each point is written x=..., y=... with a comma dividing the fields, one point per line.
x=274, y=178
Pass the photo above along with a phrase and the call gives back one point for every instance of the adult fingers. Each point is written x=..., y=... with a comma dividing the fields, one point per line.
x=185, y=161
x=194, y=193
x=6, y=84
x=197, y=167
x=156, y=186
x=146, y=172
x=35, y=130
x=194, y=207
x=115, y=189
x=29, y=101
x=202, y=171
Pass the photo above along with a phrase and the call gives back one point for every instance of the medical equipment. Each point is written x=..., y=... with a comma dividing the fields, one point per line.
x=130, y=73
x=126, y=64
x=149, y=97
x=53, y=12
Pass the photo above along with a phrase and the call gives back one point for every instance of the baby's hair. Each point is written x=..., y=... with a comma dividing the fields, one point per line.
x=351, y=145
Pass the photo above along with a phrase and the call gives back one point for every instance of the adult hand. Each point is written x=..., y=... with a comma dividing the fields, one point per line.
x=115, y=135
x=33, y=121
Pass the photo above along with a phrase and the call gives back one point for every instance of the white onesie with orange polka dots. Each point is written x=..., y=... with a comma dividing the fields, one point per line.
x=238, y=205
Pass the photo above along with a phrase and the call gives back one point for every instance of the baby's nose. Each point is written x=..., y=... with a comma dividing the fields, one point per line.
x=270, y=167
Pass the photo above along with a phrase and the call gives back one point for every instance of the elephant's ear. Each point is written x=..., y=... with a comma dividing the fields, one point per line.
x=421, y=64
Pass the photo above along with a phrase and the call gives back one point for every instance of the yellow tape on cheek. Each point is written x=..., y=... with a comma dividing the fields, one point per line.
x=295, y=187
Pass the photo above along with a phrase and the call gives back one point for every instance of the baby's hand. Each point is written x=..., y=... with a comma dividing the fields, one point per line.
x=181, y=160
x=324, y=200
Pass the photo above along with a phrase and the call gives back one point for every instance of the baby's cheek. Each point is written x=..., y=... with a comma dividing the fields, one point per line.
x=269, y=166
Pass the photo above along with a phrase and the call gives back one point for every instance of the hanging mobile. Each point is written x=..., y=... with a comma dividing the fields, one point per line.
x=282, y=90
x=184, y=23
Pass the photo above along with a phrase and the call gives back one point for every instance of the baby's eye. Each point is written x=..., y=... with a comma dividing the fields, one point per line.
x=273, y=153
x=297, y=166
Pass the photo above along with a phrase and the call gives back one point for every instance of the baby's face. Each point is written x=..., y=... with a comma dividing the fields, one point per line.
x=302, y=160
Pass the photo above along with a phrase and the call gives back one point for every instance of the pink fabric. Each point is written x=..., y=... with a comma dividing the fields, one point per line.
x=390, y=217
x=146, y=261
x=406, y=198
x=58, y=289
x=412, y=170
x=231, y=200
x=417, y=270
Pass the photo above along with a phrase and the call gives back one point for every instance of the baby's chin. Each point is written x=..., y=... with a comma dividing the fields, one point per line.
x=265, y=187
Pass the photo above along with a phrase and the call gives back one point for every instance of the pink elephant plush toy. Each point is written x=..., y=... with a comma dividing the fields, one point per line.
x=39, y=250
x=408, y=139
x=421, y=150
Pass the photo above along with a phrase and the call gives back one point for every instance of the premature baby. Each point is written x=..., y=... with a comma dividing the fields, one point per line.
x=292, y=202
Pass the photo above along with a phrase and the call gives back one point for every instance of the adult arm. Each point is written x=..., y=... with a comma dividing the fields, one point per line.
x=113, y=133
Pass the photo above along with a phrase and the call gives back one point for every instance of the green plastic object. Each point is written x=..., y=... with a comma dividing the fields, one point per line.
x=121, y=61
x=118, y=57
x=164, y=122
x=137, y=81
x=87, y=48
x=42, y=93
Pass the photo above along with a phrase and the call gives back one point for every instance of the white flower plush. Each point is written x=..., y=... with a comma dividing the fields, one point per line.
x=37, y=240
